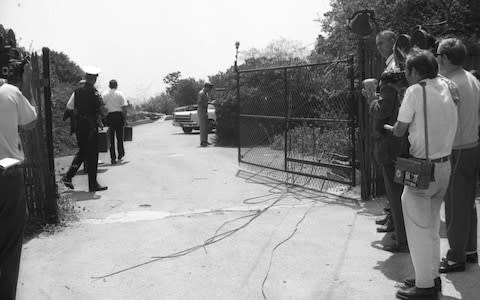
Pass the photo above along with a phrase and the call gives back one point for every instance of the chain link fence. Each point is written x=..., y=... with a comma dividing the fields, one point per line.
x=298, y=122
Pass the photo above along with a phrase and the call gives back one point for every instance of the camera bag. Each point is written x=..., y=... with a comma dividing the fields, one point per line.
x=414, y=172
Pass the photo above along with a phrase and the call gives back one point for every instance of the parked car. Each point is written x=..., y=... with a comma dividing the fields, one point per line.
x=187, y=118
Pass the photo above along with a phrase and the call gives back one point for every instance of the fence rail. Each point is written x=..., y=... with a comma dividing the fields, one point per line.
x=39, y=172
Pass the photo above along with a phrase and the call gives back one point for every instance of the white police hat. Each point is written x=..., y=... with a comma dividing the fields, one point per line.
x=91, y=70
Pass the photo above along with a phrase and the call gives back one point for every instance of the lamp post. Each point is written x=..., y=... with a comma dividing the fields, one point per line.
x=237, y=45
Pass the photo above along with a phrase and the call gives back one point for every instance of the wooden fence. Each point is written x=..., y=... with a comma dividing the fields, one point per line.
x=40, y=186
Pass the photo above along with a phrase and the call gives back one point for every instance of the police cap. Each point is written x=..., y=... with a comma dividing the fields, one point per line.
x=91, y=70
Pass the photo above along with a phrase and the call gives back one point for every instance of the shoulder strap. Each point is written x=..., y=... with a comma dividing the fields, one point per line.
x=453, y=88
x=425, y=117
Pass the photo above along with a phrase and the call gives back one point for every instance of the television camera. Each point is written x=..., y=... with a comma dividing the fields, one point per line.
x=12, y=59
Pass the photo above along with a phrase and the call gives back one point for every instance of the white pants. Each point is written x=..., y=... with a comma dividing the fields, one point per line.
x=421, y=211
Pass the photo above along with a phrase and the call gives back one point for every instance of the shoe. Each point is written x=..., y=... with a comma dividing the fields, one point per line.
x=120, y=157
x=446, y=267
x=409, y=293
x=98, y=188
x=68, y=182
x=113, y=162
x=395, y=248
x=382, y=220
x=203, y=145
x=388, y=227
x=472, y=258
x=410, y=282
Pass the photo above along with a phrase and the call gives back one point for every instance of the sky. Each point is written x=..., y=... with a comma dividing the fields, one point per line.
x=138, y=42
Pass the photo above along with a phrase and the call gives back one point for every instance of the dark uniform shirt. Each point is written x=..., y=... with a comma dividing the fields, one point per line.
x=384, y=110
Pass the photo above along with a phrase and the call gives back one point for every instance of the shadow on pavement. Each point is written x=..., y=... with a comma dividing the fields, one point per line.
x=298, y=192
x=466, y=283
x=119, y=163
x=82, y=195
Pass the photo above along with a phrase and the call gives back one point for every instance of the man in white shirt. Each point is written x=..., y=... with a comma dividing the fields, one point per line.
x=421, y=208
x=460, y=209
x=15, y=111
x=116, y=105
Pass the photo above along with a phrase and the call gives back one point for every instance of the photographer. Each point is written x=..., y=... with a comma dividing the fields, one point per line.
x=15, y=112
x=421, y=207
x=384, y=109
x=460, y=210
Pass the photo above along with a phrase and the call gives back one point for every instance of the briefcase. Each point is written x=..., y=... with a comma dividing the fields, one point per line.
x=103, y=141
x=127, y=134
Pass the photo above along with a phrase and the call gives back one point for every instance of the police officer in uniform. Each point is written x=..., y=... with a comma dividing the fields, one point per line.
x=86, y=104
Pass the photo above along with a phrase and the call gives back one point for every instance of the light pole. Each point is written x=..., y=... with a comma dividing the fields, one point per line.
x=237, y=45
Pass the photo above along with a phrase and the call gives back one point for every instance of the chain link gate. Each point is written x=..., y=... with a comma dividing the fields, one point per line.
x=299, y=120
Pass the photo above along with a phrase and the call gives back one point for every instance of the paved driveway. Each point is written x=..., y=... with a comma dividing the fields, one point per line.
x=183, y=222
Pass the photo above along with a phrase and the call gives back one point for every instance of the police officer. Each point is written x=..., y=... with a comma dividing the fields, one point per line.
x=202, y=101
x=86, y=104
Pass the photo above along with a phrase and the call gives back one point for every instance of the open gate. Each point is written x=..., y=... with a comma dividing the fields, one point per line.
x=299, y=120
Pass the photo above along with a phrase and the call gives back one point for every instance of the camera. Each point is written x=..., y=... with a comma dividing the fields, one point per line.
x=12, y=60
x=404, y=42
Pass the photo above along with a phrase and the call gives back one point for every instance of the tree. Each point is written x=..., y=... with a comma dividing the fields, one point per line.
x=171, y=81
x=186, y=91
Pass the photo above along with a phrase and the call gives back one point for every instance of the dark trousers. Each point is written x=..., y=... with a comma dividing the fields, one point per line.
x=394, y=195
x=204, y=127
x=12, y=223
x=116, y=124
x=87, y=140
x=460, y=209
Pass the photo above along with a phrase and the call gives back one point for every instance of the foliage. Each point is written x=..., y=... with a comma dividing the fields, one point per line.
x=400, y=16
x=307, y=140
x=162, y=103
x=182, y=91
x=171, y=81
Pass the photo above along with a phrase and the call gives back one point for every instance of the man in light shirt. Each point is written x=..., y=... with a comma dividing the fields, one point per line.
x=15, y=111
x=116, y=106
x=421, y=208
x=460, y=210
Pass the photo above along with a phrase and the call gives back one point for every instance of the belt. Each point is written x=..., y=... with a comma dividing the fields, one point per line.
x=438, y=160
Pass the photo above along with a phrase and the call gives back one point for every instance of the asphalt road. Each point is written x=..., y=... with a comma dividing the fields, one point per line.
x=183, y=222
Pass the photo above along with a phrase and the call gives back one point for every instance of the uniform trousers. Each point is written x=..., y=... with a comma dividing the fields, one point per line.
x=460, y=209
x=421, y=211
x=204, y=126
x=12, y=223
x=87, y=139
x=116, y=124
x=394, y=196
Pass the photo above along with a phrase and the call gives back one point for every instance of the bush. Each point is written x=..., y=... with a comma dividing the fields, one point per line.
x=226, y=110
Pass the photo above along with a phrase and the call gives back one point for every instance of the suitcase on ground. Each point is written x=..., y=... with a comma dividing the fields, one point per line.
x=103, y=141
x=127, y=134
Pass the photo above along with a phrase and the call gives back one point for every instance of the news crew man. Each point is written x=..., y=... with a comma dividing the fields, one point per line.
x=15, y=111
x=86, y=104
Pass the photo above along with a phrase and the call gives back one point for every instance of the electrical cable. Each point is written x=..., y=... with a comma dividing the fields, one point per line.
x=281, y=243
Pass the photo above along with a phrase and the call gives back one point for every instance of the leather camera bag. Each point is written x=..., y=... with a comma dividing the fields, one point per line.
x=414, y=172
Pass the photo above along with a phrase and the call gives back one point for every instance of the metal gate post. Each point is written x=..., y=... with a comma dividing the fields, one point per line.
x=352, y=116
x=285, y=82
x=51, y=188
